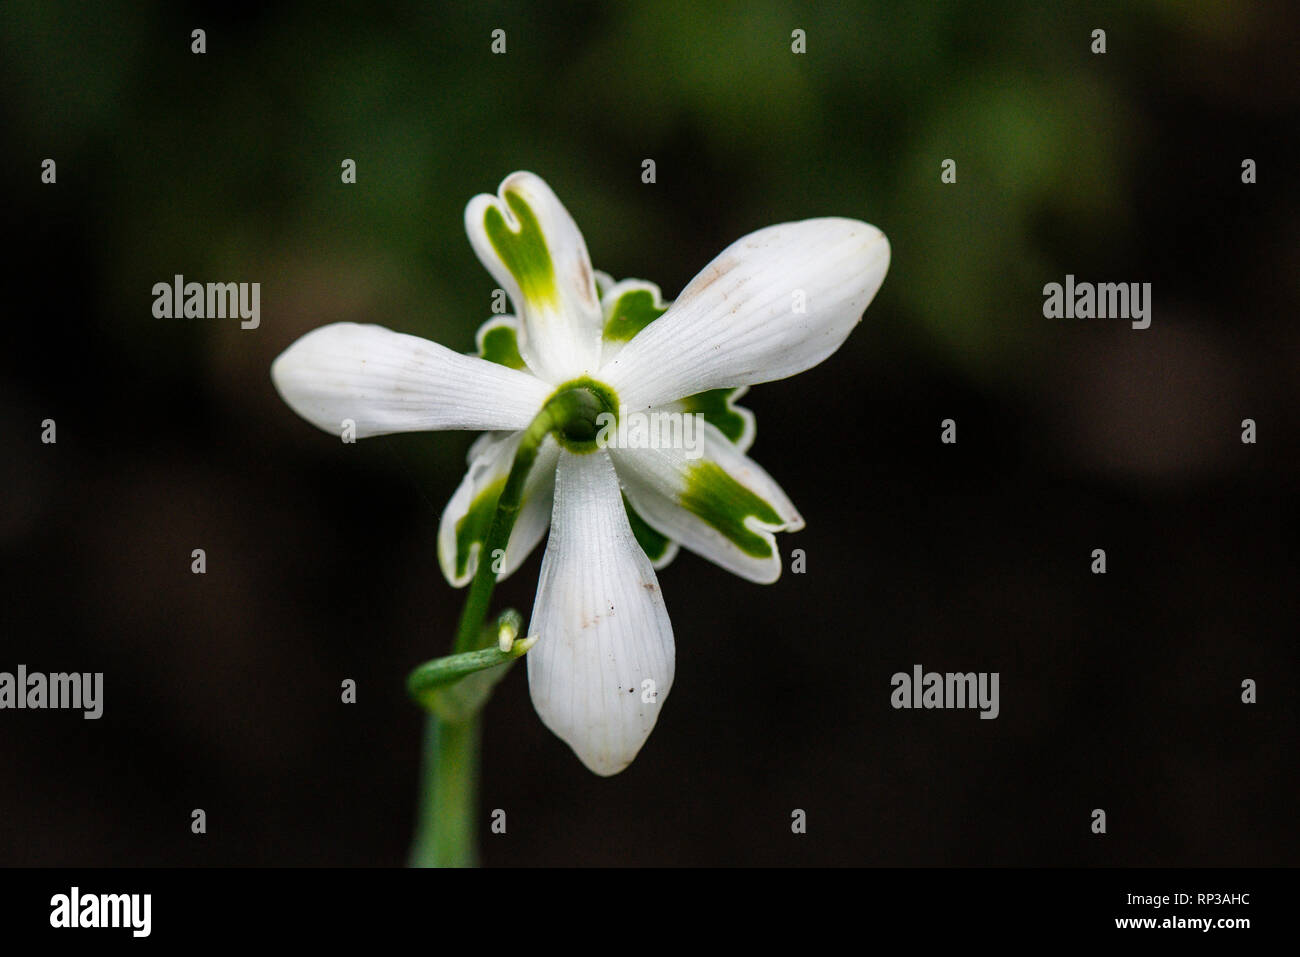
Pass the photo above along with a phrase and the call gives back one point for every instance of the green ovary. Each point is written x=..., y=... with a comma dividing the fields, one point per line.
x=580, y=422
x=724, y=503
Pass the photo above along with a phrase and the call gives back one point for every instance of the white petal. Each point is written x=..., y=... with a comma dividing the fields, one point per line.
x=738, y=322
x=386, y=381
x=729, y=516
x=463, y=528
x=540, y=258
x=606, y=644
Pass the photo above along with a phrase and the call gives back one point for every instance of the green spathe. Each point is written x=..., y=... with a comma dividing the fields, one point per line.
x=456, y=687
x=725, y=504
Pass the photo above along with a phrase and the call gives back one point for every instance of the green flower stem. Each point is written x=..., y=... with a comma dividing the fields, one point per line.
x=449, y=772
x=445, y=831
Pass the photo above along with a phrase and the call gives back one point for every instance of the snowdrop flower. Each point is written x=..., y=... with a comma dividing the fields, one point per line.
x=772, y=304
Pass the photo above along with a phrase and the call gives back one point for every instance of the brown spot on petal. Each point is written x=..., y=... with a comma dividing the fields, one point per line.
x=712, y=274
x=585, y=282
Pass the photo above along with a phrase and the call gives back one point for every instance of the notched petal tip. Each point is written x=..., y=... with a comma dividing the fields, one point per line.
x=530, y=244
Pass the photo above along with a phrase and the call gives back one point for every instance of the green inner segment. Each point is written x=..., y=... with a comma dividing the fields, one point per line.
x=500, y=345
x=724, y=503
x=716, y=409
x=652, y=543
x=472, y=529
x=524, y=252
x=632, y=312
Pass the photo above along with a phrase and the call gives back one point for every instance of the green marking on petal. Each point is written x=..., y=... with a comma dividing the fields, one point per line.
x=632, y=312
x=715, y=406
x=472, y=527
x=501, y=345
x=724, y=503
x=524, y=253
x=652, y=543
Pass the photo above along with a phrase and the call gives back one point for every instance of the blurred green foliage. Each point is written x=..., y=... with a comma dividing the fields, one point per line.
x=227, y=164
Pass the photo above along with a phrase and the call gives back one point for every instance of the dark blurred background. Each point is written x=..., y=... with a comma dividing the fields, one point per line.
x=1119, y=691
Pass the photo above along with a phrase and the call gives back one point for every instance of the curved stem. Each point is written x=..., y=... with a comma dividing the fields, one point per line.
x=503, y=521
x=445, y=834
